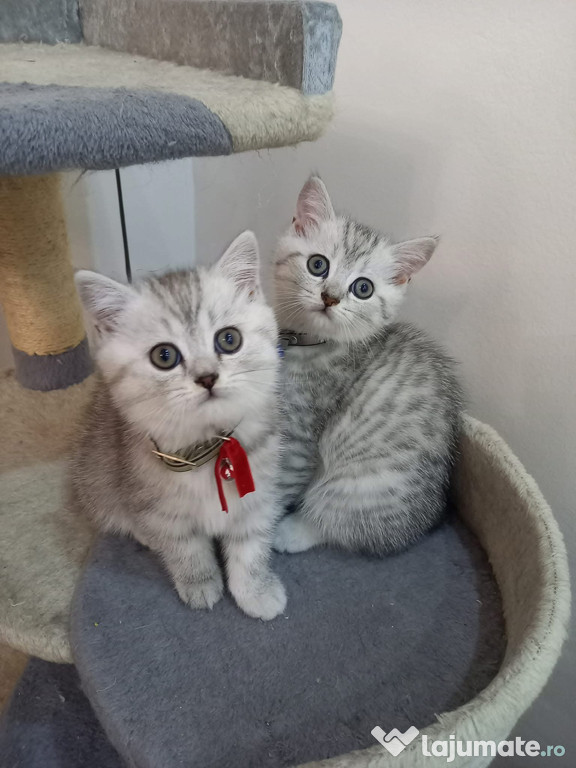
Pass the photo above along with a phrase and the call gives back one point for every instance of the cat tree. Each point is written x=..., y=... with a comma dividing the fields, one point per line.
x=99, y=84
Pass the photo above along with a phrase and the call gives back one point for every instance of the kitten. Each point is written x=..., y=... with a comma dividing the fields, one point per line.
x=372, y=406
x=183, y=358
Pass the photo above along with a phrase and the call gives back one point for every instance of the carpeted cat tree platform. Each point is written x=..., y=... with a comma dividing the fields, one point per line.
x=456, y=636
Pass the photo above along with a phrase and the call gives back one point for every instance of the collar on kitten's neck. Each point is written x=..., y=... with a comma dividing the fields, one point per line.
x=194, y=456
x=297, y=339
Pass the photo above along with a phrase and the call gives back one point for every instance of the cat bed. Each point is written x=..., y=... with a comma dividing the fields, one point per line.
x=221, y=689
x=362, y=642
x=424, y=627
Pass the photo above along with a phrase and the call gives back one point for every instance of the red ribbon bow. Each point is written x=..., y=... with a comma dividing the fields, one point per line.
x=232, y=464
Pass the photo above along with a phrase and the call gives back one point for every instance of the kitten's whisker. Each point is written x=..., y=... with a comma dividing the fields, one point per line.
x=295, y=313
x=248, y=381
x=250, y=370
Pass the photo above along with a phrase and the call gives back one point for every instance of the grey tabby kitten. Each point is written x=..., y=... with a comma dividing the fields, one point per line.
x=372, y=406
x=184, y=358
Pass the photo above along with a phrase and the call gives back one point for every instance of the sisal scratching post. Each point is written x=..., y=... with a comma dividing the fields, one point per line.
x=37, y=288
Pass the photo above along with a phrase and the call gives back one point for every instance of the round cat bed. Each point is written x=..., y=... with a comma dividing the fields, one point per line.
x=417, y=639
x=363, y=643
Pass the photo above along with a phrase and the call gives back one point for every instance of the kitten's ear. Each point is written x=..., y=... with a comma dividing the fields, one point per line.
x=241, y=262
x=103, y=298
x=411, y=256
x=313, y=206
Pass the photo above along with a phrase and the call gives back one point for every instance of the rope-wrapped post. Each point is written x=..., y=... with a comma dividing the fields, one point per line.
x=37, y=290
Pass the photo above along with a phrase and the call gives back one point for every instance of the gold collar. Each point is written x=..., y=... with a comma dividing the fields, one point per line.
x=193, y=456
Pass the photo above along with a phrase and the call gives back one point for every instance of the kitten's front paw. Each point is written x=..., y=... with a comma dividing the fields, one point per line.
x=295, y=534
x=263, y=597
x=201, y=594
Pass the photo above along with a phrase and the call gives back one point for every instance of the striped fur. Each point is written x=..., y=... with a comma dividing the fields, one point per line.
x=117, y=480
x=372, y=416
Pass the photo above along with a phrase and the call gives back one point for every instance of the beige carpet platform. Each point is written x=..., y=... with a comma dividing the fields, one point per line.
x=42, y=543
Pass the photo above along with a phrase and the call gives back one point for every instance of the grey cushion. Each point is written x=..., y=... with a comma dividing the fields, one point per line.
x=364, y=642
x=50, y=724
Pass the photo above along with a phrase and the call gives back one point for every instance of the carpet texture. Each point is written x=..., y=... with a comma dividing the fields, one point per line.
x=363, y=641
x=256, y=114
x=322, y=32
x=270, y=41
x=50, y=724
x=33, y=427
x=42, y=544
x=48, y=372
x=43, y=21
x=44, y=128
x=281, y=41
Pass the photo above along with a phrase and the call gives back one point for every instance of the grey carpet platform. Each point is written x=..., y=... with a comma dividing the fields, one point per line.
x=363, y=642
x=50, y=723
x=49, y=127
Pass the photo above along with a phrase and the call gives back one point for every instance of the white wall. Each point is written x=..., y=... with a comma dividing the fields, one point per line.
x=460, y=119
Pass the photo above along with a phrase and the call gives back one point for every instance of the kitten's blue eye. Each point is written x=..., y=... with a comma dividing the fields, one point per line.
x=228, y=340
x=362, y=288
x=165, y=356
x=318, y=265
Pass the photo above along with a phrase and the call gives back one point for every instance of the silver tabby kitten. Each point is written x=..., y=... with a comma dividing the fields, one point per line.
x=183, y=358
x=372, y=414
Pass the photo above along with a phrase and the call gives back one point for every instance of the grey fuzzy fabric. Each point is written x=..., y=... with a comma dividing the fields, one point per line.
x=363, y=642
x=48, y=372
x=41, y=21
x=322, y=32
x=52, y=128
x=290, y=43
x=49, y=723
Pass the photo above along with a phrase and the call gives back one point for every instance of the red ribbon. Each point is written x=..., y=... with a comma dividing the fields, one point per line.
x=232, y=460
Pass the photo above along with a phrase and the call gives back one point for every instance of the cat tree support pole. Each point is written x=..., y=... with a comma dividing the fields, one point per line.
x=37, y=290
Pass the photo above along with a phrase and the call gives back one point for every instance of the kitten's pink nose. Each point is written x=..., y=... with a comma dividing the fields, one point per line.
x=329, y=301
x=207, y=380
